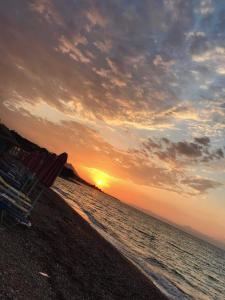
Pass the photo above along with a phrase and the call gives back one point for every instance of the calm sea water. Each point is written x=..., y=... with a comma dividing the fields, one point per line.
x=182, y=266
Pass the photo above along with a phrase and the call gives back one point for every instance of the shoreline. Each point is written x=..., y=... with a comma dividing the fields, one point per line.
x=176, y=291
x=113, y=242
x=63, y=257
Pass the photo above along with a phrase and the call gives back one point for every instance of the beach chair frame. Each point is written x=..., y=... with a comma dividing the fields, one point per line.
x=20, y=203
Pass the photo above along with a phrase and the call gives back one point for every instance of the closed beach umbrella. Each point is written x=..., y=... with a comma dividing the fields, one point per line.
x=47, y=165
x=23, y=157
x=34, y=161
x=39, y=162
x=27, y=159
x=55, y=170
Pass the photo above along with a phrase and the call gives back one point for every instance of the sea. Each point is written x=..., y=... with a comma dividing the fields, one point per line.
x=180, y=265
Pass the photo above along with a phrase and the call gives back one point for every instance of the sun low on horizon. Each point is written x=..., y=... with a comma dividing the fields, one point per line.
x=99, y=178
x=100, y=182
x=133, y=91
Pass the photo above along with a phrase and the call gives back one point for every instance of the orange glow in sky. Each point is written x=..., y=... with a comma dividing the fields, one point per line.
x=100, y=182
x=140, y=112
x=101, y=179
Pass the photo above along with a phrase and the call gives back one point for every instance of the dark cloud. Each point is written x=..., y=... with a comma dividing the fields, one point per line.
x=183, y=152
x=200, y=184
x=203, y=140
x=199, y=43
x=187, y=149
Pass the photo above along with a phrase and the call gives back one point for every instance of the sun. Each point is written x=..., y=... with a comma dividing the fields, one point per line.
x=100, y=182
x=99, y=178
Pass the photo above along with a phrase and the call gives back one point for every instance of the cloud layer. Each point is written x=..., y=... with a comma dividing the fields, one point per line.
x=124, y=72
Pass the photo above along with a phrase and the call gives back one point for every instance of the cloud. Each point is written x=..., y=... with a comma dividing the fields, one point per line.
x=72, y=49
x=221, y=70
x=215, y=54
x=118, y=82
x=96, y=18
x=155, y=67
x=112, y=65
x=183, y=153
x=198, y=44
x=165, y=65
x=201, y=185
x=47, y=10
x=141, y=166
x=116, y=58
x=104, y=46
x=206, y=7
x=203, y=140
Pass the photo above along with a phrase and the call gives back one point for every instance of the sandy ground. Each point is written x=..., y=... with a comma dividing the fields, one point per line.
x=63, y=257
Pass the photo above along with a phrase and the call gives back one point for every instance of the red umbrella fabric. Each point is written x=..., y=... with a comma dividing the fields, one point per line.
x=27, y=159
x=47, y=165
x=23, y=157
x=33, y=161
x=55, y=170
x=39, y=162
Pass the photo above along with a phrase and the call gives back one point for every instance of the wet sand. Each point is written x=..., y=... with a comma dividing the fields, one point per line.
x=63, y=257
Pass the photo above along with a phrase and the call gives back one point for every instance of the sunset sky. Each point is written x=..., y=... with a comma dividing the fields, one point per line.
x=133, y=90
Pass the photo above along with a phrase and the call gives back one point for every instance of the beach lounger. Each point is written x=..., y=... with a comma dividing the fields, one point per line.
x=14, y=173
x=19, y=203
